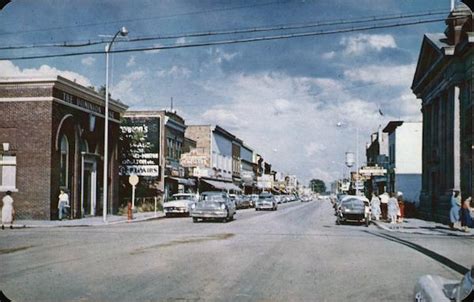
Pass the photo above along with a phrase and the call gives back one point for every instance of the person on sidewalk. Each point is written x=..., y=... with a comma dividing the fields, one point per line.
x=393, y=208
x=454, y=217
x=8, y=212
x=401, y=207
x=375, y=204
x=63, y=204
x=465, y=215
x=384, y=205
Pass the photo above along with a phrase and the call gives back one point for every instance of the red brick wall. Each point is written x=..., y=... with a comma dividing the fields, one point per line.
x=18, y=120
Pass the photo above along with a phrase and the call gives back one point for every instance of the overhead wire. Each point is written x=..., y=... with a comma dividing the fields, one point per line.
x=280, y=27
x=228, y=42
x=145, y=18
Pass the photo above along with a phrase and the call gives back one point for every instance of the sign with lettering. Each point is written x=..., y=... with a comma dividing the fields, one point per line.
x=140, y=141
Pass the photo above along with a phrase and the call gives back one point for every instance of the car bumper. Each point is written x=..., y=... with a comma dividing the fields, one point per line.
x=263, y=207
x=209, y=214
x=175, y=210
x=352, y=216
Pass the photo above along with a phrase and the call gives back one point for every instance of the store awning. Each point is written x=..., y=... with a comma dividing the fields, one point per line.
x=220, y=185
x=184, y=181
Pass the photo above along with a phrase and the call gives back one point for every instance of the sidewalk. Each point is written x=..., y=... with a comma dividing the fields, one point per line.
x=418, y=226
x=88, y=221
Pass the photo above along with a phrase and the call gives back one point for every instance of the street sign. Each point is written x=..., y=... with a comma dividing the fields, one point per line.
x=133, y=179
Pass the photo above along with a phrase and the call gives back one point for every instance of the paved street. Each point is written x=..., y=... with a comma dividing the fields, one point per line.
x=294, y=254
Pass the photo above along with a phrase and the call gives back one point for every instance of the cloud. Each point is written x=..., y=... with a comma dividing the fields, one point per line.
x=362, y=43
x=125, y=89
x=131, y=61
x=88, y=61
x=328, y=55
x=154, y=51
x=175, y=72
x=10, y=70
x=400, y=75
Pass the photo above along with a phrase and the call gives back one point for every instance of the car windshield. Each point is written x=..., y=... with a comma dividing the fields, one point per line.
x=181, y=197
x=212, y=197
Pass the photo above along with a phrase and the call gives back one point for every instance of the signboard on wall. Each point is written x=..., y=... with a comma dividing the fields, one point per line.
x=140, y=145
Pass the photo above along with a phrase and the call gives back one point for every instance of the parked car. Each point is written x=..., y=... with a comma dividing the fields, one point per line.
x=213, y=205
x=246, y=202
x=278, y=199
x=179, y=204
x=266, y=201
x=353, y=208
x=237, y=200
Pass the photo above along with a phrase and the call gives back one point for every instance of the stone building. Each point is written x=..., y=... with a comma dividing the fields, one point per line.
x=52, y=130
x=443, y=81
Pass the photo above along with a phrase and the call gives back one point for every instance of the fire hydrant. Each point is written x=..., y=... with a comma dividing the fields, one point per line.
x=129, y=212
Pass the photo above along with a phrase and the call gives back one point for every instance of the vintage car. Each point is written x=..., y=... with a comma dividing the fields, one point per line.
x=266, y=201
x=213, y=205
x=353, y=208
x=179, y=204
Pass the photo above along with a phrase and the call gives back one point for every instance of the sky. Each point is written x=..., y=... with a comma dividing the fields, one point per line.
x=284, y=98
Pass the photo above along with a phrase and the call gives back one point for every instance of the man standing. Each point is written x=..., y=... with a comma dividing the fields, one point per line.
x=63, y=204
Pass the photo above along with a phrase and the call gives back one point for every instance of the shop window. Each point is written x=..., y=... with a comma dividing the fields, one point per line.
x=7, y=173
x=63, y=162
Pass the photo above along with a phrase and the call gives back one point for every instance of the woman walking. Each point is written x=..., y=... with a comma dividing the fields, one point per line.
x=8, y=212
x=393, y=208
x=455, y=209
x=375, y=204
x=465, y=213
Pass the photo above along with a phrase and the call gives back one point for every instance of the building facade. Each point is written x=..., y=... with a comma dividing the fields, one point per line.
x=52, y=130
x=404, y=159
x=443, y=81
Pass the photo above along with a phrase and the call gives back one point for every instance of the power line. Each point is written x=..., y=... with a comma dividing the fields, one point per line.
x=228, y=42
x=145, y=19
x=236, y=31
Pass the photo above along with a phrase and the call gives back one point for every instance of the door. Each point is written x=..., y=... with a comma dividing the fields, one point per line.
x=89, y=186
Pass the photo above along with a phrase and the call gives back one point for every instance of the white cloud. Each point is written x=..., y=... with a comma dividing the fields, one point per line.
x=125, y=89
x=400, y=75
x=154, y=51
x=175, y=72
x=131, y=61
x=8, y=69
x=362, y=43
x=181, y=40
x=88, y=61
x=328, y=55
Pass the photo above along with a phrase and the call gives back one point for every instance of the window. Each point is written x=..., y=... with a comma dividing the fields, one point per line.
x=63, y=162
x=7, y=173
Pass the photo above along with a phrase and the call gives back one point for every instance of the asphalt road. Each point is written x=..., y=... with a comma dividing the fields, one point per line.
x=294, y=254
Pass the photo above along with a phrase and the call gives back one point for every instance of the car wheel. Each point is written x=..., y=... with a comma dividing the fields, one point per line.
x=195, y=219
x=256, y=209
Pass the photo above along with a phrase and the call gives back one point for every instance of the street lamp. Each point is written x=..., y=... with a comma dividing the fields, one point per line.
x=123, y=32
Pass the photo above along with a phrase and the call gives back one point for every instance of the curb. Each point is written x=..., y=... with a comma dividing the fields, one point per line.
x=23, y=226
x=381, y=225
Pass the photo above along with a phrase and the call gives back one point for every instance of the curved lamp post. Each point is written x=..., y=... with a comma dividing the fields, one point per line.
x=123, y=32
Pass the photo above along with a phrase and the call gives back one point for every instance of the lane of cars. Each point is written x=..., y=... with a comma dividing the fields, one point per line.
x=217, y=205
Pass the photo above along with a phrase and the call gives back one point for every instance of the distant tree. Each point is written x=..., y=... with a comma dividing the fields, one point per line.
x=317, y=185
x=101, y=90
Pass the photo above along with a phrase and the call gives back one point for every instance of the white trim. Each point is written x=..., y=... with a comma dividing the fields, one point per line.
x=59, y=129
x=27, y=99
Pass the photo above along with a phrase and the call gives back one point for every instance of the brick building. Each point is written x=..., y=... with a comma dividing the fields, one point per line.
x=52, y=132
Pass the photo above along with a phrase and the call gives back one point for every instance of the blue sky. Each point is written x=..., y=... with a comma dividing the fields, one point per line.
x=283, y=98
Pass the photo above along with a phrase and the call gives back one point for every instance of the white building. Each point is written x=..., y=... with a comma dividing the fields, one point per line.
x=404, y=168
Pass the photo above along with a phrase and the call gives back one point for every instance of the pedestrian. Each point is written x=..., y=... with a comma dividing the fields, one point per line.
x=63, y=204
x=454, y=217
x=401, y=207
x=392, y=207
x=465, y=215
x=375, y=204
x=383, y=204
x=8, y=212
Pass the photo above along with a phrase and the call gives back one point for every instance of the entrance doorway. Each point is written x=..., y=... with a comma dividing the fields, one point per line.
x=89, y=185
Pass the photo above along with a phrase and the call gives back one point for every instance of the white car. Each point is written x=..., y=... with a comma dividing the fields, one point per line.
x=179, y=204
